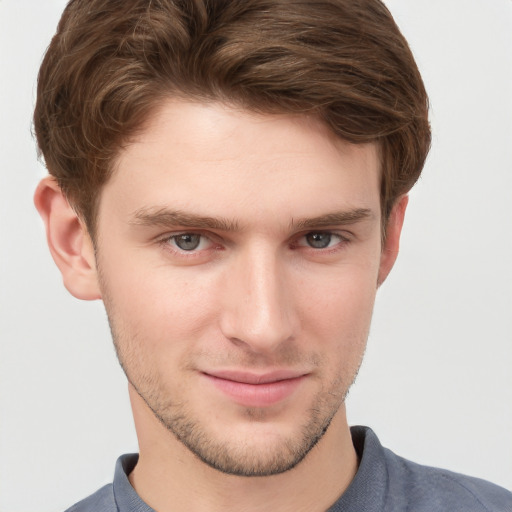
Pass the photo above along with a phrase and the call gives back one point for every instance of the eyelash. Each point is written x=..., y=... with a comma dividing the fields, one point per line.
x=168, y=239
x=343, y=241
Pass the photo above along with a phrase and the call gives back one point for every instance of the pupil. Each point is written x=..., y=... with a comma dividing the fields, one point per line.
x=188, y=241
x=319, y=240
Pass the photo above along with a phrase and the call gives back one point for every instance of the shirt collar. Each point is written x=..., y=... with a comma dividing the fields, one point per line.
x=127, y=500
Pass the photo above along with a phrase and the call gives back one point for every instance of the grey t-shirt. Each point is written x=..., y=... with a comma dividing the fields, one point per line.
x=384, y=482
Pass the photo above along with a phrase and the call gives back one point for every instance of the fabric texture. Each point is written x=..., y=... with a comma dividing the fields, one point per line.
x=384, y=482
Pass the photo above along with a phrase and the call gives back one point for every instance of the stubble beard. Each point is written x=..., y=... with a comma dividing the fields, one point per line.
x=247, y=459
x=242, y=458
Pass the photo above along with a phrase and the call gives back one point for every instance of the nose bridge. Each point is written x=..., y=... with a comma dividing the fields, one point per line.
x=259, y=309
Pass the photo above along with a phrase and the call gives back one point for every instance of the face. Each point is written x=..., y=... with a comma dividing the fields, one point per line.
x=238, y=257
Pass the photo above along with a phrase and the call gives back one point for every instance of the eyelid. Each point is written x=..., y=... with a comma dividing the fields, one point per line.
x=165, y=240
x=186, y=231
x=216, y=242
x=343, y=236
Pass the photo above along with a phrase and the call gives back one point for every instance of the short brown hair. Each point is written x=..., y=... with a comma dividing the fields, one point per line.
x=112, y=62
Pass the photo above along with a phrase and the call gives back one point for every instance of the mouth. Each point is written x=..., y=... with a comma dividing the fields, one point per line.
x=256, y=390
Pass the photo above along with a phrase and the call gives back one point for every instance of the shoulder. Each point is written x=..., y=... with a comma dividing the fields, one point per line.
x=430, y=488
x=386, y=482
x=101, y=501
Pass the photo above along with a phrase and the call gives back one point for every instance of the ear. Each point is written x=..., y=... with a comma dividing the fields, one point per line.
x=69, y=241
x=392, y=242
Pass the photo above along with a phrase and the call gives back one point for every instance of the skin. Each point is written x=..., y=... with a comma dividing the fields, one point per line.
x=239, y=352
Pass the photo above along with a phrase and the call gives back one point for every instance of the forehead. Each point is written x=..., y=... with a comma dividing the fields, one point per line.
x=214, y=158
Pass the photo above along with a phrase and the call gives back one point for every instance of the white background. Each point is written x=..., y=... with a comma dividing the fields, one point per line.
x=436, y=385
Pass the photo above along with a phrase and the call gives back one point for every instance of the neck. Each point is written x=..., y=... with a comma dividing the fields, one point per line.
x=168, y=477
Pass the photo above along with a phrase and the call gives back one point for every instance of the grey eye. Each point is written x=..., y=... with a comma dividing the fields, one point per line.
x=187, y=241
x=319, y=240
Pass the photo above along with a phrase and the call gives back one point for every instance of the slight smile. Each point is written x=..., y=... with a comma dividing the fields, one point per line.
x=256, y=390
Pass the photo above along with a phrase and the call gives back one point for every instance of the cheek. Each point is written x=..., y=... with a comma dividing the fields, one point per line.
x=163, y=307
x=339, y=308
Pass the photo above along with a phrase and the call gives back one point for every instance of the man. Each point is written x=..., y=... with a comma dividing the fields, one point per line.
x=230, y=178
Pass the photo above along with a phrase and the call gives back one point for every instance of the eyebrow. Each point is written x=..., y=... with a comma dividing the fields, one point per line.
x=169, y=218
x=164, y=217
x=345, y=217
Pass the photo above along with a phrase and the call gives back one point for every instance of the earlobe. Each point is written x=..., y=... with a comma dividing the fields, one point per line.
x=69, y=241
x=391, y=244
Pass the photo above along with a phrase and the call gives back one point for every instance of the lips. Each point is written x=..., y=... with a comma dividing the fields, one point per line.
x=256, y=390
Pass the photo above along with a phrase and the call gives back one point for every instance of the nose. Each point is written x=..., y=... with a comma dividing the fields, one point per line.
x=257, y=302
